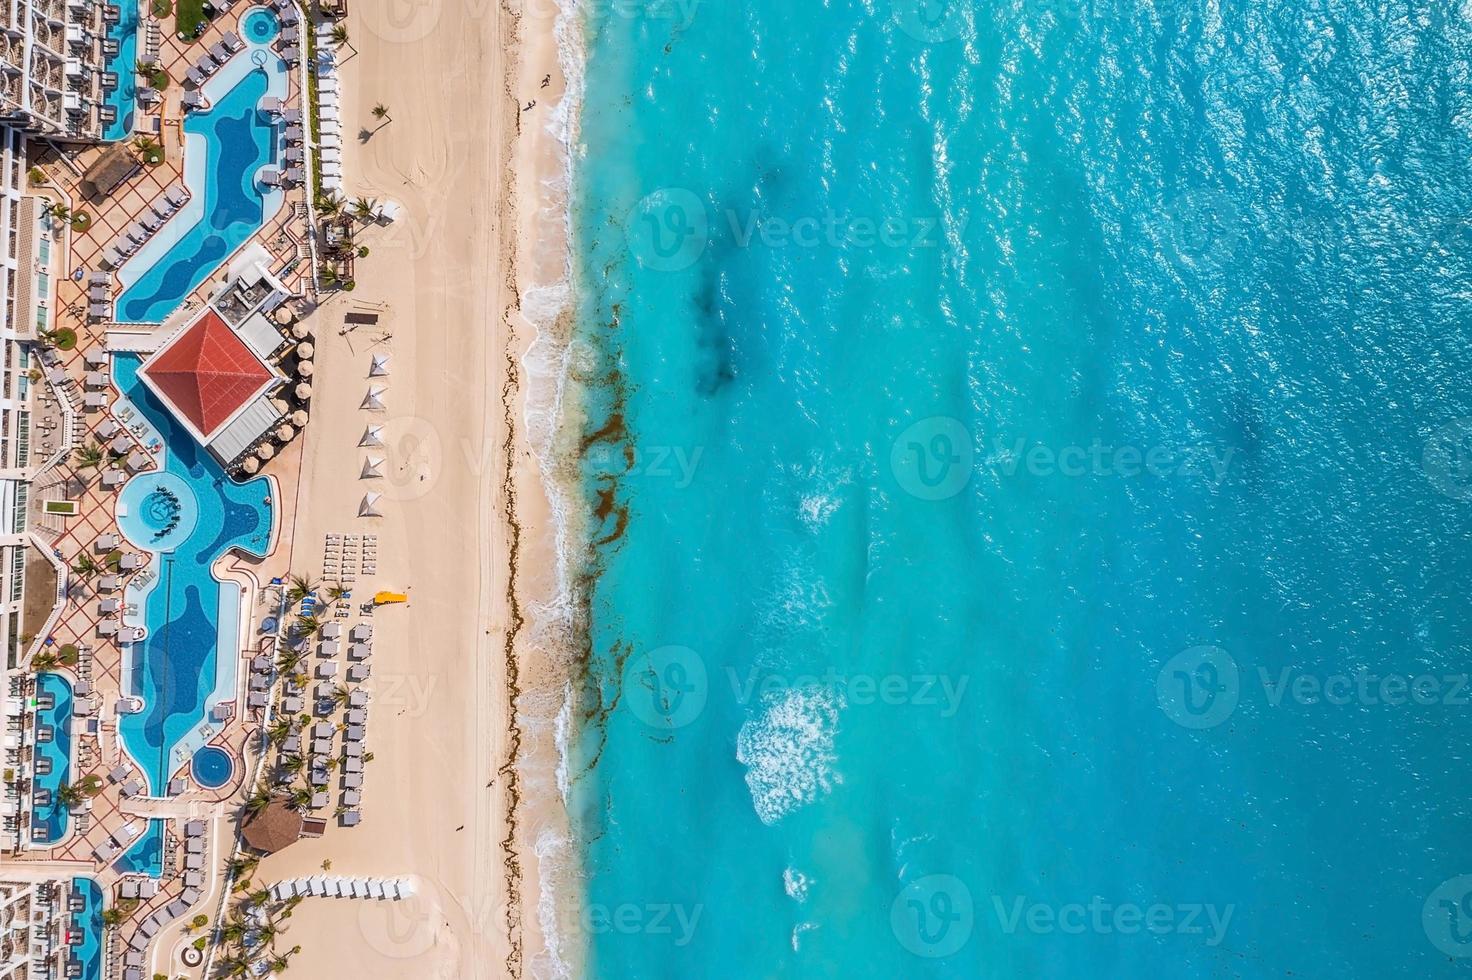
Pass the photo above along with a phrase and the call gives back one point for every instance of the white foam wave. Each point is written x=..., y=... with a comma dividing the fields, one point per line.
x=788, y=751
x=795, y=884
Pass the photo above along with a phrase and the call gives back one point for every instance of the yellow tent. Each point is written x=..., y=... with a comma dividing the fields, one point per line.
x=385, y=598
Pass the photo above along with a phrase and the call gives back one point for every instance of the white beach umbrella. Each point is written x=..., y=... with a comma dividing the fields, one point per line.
x=379, y=367
x=303, y=391
x=250, y=465
x=305, y=369
x=299, y=418
x=373, y=401
x=369, y=506
x=300, y=331
x=305, y=349
x=285, y=433
x=280, y=405
x=265, y=450
x=372, y=436
x=372, y=467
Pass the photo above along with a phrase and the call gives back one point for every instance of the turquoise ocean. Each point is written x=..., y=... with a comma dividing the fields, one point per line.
x=1030, y=471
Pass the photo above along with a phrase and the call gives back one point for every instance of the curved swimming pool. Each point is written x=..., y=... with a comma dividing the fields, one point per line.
x=212, y=767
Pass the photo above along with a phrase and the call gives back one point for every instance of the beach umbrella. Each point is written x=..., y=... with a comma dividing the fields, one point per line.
x=372, y=467
x=372, y=436
x=373, y=401
x=300, y=331
x=280, y=405
x=265, y=450
x=299, y=418
x=250, y=465
x=303, y=391
x=305, y=369
x=369, y=506
x=305, y=349
x=285, y=433
x=284, y=316
x=379, y=367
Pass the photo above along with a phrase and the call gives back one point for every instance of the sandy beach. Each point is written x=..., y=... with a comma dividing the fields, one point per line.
x=462, y=497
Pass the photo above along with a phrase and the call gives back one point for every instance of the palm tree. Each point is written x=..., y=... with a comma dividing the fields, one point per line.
x=327, y=276
x=149, y=149
x=89, y=456
x=307, y=625
x=70, y=795
x=241, y=866
x=339, y=696
x=340, y=34
x=363, y=210
x=367, y=757
x=329, y=204
x=56, y=212
x=294, y=764
x=279, y=731
x=85, y=565
x=301, y=798
x=380, y=111
x=43, y=661
x=290, y=660
x=257, y=802
x=301, y=586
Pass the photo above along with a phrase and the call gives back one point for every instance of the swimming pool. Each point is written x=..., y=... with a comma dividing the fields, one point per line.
x=146, y=856
x=125, y=65
x=158, y=513
x=212, y=767
x=261, y=26
x=85, y=936
x=190, y=617
x=52, y=818
x=224, y=148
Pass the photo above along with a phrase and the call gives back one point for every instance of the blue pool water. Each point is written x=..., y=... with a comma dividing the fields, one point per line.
x=87, y=927
x=212, y=767
x=175, y=668
x=124, y=64
x=260, y=26
x=53, y=817
x=225, y=147
x=146, y=856
x=911, y=542
x=158, y=514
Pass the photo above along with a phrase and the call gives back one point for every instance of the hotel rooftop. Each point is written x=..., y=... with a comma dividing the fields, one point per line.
x=217, y=381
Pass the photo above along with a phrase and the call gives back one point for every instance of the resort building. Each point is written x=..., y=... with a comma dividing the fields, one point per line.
x=215, y=374
x=66, y=67
x=28, y=929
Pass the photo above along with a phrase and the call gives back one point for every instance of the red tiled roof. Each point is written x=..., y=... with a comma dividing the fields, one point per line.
x=207, y=373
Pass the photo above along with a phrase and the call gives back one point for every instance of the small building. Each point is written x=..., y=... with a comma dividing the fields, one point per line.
x=273, y=828
x=217, y=384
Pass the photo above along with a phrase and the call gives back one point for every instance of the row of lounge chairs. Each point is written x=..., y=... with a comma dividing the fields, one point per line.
x=329, y=112
x=335, y=886
x=149, y=222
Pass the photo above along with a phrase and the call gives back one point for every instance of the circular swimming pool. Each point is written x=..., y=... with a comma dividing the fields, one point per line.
x=157, y=511
x=211, y=767
x=261, y=26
